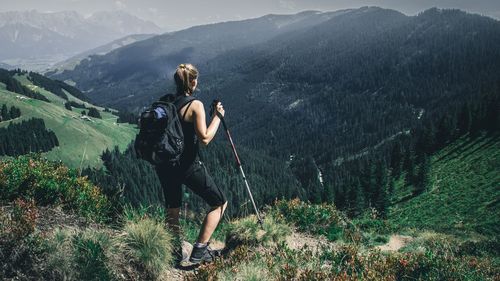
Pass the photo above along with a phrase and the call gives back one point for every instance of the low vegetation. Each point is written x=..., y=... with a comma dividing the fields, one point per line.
x=125, y=243
x=49, y=183
x=431, y=256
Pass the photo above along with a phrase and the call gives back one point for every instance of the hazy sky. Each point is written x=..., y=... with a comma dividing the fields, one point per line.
x=178, y=14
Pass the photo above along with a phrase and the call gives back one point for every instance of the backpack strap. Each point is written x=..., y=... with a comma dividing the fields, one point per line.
x=185, y=111
x=181, y=102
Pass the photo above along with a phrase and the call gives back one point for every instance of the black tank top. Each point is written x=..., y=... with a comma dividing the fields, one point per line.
x=191, y=147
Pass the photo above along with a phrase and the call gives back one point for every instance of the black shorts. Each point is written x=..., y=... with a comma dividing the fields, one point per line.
x=195, y=177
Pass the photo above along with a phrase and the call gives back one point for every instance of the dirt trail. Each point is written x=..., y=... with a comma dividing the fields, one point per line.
x=179, y=274
x=395, y=243
x=296, y=240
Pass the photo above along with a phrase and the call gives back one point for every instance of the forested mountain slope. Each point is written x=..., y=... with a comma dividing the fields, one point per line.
x=462, y=194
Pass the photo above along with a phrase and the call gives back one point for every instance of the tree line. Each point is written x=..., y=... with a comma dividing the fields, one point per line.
x=26, y=137
x=8, y=114
x=56, y=87
x=92, y=111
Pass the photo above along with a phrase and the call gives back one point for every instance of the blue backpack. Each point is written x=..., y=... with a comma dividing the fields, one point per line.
x=160, y=139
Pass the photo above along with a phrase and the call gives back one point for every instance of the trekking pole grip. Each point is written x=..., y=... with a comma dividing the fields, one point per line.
x=222, y=120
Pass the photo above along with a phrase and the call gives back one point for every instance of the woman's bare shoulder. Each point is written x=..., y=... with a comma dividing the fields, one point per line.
x=197, y=104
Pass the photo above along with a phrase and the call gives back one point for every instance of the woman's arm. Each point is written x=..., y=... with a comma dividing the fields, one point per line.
x=205, y=135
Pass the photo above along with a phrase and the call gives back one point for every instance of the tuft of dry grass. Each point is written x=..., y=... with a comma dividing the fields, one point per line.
x=247, y=231
x=148, y=245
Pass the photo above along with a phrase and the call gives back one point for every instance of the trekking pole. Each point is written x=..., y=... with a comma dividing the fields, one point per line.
x=238, y=163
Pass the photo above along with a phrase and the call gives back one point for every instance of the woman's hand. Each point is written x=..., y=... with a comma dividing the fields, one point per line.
x=205, y=134
x=220, y=109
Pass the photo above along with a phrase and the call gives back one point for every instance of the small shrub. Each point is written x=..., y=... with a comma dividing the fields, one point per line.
x=370, y=221
x=23, y=219
x=323, y=219
x=249, y=232
x=33, y=178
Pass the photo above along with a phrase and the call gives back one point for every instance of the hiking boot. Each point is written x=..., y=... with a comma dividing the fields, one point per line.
x=203, y=254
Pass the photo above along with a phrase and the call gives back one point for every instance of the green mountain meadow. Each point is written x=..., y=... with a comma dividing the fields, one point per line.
x=81, y=142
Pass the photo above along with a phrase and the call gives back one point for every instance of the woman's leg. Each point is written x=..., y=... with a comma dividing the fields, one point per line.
x=203, y=185
x=173, y=220
x=210, y=223
x=171, y=183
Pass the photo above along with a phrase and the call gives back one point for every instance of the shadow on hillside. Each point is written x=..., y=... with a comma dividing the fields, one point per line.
x=485, y=145
x=470, y=142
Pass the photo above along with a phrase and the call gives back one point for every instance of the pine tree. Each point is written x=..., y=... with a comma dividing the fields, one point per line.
x=5, y=113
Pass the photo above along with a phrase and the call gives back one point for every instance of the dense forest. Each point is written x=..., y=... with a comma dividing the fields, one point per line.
x=26, y=137
x=8, y=114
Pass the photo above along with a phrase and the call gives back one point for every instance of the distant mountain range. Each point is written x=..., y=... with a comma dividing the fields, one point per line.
x=34, y=40
x=141, y=68
x=72, y=62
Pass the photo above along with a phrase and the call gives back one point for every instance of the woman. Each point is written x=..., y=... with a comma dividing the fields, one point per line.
x=191, y=170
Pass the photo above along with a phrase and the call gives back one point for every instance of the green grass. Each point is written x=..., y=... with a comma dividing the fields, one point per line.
x=80, y=142
x=464, y=191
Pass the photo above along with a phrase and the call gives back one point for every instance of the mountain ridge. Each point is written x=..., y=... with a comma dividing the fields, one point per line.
x=74, y=32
